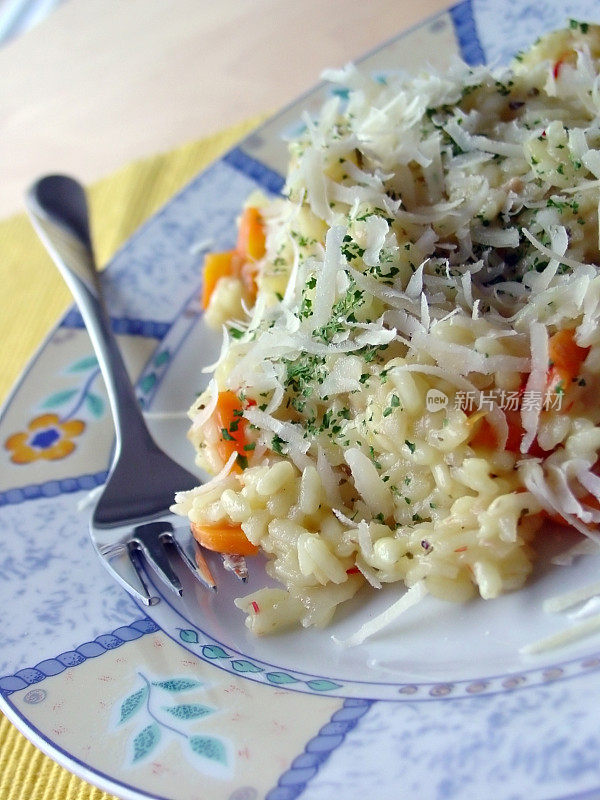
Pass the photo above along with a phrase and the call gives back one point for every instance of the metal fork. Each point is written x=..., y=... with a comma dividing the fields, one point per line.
x=131, y=518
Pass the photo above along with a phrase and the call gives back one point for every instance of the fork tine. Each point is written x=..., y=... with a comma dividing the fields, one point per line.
x=203, y=566
x=123, y=566
x=148, y=538
x=192, y=555
x=142, y=478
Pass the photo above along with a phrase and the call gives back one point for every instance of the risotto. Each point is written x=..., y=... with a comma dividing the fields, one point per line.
x=408, y=384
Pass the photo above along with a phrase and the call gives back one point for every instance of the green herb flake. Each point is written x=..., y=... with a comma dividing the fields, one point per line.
x=373, y=457
x=276, y=443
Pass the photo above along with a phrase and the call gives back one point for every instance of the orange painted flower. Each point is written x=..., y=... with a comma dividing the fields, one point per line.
x=46, y=438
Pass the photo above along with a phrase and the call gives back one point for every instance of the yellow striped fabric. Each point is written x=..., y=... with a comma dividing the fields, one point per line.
x=33, y=293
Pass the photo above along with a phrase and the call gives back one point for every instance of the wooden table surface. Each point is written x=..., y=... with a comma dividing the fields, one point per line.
x=102, y=82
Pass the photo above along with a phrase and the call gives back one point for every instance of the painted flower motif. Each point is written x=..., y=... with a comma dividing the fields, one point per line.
x=46, y=438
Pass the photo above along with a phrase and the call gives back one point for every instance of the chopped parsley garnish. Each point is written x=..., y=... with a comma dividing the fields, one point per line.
x=351, y=249
x=276, y=444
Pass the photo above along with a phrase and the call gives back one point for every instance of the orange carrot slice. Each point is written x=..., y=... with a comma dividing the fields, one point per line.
x=565, y=357
x=216, y=266
x=251, y=235
x=250, y=248
x=229, y=539
x=231, y=427
x=485, y=436
x=239, y=263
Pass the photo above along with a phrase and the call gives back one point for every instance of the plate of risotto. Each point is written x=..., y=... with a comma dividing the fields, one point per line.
x=372, y=331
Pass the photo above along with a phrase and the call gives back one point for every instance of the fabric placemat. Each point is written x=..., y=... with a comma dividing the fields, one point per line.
x=34, y=298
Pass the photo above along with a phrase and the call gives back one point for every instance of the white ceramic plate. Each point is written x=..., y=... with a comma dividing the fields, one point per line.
x=179, y=701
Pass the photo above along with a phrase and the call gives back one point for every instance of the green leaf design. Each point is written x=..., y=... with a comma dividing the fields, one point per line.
x=189, y=711
x=148, y=382
x=95, y=404
x=240, y=665
x=132, y=704
x=59, y=398
x=145, y=742
x=161, y=358
x=189, y=636
x=280, y=677
x=214, y=651
x=209, y=747
x=177, y=684
x=322, y=685
x=342, y=92
x=83, y=364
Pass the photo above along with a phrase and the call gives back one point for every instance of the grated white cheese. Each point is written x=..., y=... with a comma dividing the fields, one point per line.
x=436, y=232
x=536, y=383
x=202, y=411
x=326, y=277
x=410, y=598
x=569, y=599
x=563, y=638
x=368, y=482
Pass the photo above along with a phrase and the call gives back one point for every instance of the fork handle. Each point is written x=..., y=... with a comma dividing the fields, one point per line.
x=58, y=210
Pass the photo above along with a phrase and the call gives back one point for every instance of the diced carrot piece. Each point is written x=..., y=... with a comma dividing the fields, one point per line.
x=565, y=357
x=239, y=263
x=229, y=428
x=251, y=235
x=564, y=350
x=587, y=500
x=250, y=247
x=229, y=539
x=216, y=266
x=248, y=274
x=231, y=425
x=515, y=435
x=485, y=436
